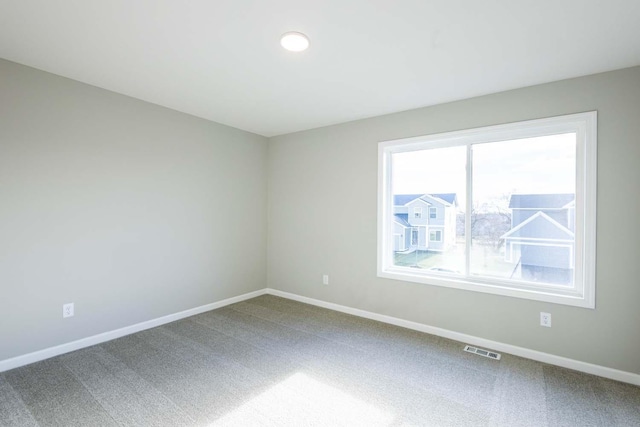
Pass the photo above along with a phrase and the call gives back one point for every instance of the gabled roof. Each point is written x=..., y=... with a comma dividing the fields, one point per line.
x=403, y=199
x=450, y=198
x=402, y=219
x=539, y=226
x=445, y=198
x=540, y=201
x=431, y=199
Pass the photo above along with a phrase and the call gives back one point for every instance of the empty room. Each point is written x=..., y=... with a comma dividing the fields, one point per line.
x=329, y=213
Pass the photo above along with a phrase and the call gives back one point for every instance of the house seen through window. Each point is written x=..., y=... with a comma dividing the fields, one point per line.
x=511, y=209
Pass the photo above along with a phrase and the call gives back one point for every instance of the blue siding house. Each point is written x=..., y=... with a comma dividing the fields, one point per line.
x=541, y=239
x=424, y=221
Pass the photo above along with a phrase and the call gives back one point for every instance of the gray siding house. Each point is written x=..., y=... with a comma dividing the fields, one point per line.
x=541, y=239
x=424, y=221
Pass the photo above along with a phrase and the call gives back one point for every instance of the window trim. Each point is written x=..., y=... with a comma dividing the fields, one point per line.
x=435, y=212
x=417, y=212
x=436, y=233
x=583, y=292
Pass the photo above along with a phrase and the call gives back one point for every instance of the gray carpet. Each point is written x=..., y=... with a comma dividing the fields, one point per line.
x=273, y=362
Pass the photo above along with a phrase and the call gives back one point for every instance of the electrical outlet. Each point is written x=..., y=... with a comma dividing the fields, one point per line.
x=545, y=319
x=325, y=279
x=67, y=310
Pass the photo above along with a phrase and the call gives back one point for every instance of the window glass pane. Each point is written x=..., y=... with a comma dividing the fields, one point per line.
x=433, y=181
x=523, y=212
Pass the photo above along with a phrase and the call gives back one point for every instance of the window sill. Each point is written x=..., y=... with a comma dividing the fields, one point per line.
x=546, y=293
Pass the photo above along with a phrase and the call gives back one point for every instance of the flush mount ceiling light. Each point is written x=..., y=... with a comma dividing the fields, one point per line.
x=294, y=41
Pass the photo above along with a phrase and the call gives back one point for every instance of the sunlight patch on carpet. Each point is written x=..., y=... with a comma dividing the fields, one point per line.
x=302, y=400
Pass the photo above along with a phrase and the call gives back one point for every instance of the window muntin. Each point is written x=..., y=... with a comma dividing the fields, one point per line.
x=493, y=171
x=435, y=236
x=433, y=213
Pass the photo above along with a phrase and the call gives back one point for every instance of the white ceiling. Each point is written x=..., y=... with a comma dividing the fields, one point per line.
x=221, y=59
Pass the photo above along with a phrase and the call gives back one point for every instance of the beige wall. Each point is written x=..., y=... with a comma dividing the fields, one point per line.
x=129, y=210
x=134, y=211
x=322, y=220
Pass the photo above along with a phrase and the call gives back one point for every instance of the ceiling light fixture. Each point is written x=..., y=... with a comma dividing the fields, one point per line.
x=294, y=41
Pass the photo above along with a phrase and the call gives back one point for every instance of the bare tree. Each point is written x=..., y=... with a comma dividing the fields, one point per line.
x=490, y=220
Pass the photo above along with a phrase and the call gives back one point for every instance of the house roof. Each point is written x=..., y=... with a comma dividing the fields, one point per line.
x=539, y=226
x=450, y=198
x=540, y=201
x=403, y=199
x=402, y=219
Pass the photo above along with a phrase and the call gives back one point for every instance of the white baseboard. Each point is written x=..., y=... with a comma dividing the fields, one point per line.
x=589, y=368
x=602, y=371
x=47, y=353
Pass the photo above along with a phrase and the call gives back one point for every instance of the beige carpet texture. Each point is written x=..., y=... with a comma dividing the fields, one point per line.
x=270, y=361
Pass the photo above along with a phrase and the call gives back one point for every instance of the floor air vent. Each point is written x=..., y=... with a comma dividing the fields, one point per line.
x=481, y=352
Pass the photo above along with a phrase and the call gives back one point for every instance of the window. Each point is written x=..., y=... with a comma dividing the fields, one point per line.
x=417, y=213
x=516, y=204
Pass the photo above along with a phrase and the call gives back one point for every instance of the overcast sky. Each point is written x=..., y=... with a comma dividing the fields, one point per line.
x=533, y=165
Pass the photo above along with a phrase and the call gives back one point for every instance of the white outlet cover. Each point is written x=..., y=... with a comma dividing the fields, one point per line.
x=545, y=319
x=325, y=279
x=67, y=310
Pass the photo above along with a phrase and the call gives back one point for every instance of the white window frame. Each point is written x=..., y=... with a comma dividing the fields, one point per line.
x=582, y=294
x=435, y=213
x=417, y=211
x=436, y=233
